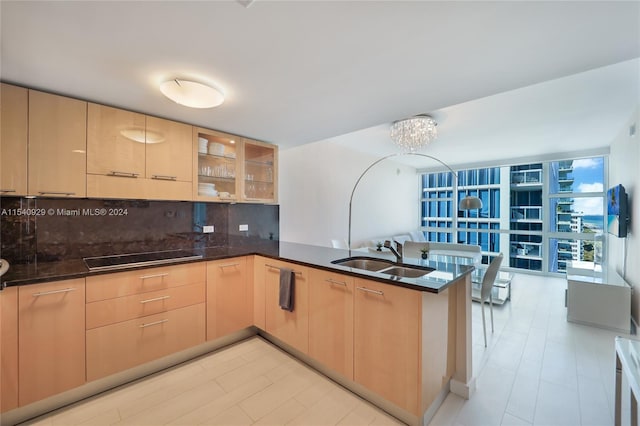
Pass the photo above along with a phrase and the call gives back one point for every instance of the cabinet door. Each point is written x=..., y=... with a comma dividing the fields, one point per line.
x=387, y=342
x=229, y=299
x=8, y=349
x=115, y=142
x=51, y=342
x=14, y=108
x=331, y=320
x=216, y=165
x=260, y=183
x=290, y=327
x=168, y=150
x=57, y=145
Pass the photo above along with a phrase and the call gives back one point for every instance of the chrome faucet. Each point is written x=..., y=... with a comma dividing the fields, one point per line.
x=397, y=251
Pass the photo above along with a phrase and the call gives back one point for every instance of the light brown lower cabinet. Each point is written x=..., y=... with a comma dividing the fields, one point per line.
x=117, y=347
x=8, y=349
x=51, y=339
x=387, y=341
x=290, y=327
x=111, y=311
x=401, y=344
x=229, y=297
x=404, y=343
x=331, y=320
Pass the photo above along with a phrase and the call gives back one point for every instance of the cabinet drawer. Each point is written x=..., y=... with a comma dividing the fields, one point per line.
x=110, y=311
x=120, y=284
x=124, y=345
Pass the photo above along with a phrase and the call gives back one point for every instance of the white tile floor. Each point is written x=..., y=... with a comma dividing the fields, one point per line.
x=537, y=370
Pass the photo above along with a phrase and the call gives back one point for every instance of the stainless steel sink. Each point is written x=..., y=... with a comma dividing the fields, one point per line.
x=383, y=266
x=406, y=271
x=366, y=263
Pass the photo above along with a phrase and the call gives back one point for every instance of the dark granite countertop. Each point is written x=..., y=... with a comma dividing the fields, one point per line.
x=447, y=268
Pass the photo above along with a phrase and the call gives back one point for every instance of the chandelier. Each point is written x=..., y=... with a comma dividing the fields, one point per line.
x=414, y=133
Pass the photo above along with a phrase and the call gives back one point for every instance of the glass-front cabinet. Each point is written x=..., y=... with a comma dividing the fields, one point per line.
x=234, y=169
x=260, y=168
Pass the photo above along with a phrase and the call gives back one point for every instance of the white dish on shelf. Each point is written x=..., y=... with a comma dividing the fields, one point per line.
x=202, y=145
x=216, y=148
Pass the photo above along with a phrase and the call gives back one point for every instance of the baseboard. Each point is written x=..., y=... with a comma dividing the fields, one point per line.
x=96, y=387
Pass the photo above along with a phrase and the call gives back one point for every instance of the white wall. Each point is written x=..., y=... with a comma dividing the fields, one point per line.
x=315, y=184
x=624, y=161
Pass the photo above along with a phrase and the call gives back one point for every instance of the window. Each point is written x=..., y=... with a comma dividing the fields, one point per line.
x=540, y=215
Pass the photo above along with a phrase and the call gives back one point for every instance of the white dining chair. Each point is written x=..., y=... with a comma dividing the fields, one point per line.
x=485, y=291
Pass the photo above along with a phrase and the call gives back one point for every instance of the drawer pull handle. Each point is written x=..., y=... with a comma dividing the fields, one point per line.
x=277, y=267
x=153, y=323
x=45, y=293
x=228, y=265
x=368, y=290
x=332, y=281
x=145, y=277
x=123, y=174
x=56, y=193
x=155, y=299
x=7, y=190
x=164, y=177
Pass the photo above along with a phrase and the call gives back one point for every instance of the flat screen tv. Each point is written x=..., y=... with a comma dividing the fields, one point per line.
x=617, y=213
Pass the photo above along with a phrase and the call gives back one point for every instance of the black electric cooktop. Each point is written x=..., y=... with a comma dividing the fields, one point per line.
x=133, y=260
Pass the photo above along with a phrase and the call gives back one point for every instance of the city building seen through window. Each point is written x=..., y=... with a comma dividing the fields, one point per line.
x=540, y=215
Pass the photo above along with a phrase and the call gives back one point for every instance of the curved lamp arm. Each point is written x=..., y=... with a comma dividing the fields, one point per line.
x=467, y=203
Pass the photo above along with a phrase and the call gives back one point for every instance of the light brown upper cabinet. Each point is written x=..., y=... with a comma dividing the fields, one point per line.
x=232, y=168
x=217, y=167
x=115, y=141
x=57, y=145
x=14, y=112
x=168, y=150
x=131, y=155
x=260, y=172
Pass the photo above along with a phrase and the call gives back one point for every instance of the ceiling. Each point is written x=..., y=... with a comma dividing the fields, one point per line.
x=295, y=72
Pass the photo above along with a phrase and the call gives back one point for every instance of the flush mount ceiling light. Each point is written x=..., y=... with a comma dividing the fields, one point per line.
x=414, y=133
x=191, y=93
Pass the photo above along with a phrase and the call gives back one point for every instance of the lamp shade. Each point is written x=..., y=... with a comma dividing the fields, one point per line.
x=470, y=203
x=191, y=93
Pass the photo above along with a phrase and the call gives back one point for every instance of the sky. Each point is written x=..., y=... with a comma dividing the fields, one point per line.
x=588, y=176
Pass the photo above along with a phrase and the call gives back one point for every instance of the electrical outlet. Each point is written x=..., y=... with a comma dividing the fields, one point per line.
x=207, y=229
x=243, y=228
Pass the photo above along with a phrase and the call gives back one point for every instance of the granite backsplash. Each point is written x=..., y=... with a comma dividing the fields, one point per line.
x=53, y=229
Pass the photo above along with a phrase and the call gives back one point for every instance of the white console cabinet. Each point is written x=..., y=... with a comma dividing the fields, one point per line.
x=599, y=298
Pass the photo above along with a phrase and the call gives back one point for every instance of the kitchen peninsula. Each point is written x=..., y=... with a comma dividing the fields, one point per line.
x=402, y=343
